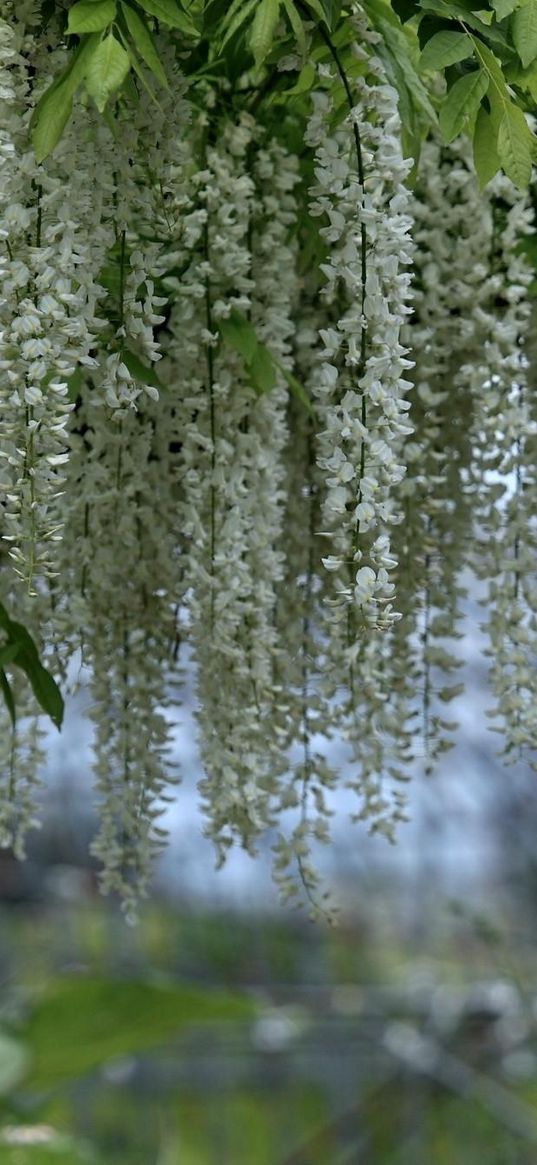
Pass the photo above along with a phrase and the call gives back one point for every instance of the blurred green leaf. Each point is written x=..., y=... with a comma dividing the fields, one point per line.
x=240, y=334
x=262, y=371
x=13, y=1063
x=9, y=698
x=31, y=1144
x=297, y=389
x=80, y=1023
x=295, y=20
x=144, y=373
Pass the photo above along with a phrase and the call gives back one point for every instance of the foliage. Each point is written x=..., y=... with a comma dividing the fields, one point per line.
x=19, y=648
x=315, y=219
x=106, y=1019
x=485, y=54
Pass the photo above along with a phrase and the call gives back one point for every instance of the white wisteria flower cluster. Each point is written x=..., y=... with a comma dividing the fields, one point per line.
x=262, y=400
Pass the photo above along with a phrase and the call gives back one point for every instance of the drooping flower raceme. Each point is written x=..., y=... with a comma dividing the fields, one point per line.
x=361, y=385
x=206, y=349
x=504, y=479
x=361, y=396
x=228, y=467
x=47, y=303
x=118, y=547
x=452, y=295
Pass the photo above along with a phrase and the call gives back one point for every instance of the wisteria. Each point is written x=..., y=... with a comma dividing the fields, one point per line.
x=267, y=391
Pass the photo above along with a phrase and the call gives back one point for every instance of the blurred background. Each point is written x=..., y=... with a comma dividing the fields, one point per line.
x=225, y=1030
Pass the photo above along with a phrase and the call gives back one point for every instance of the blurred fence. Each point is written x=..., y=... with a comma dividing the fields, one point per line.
x=227, y=1040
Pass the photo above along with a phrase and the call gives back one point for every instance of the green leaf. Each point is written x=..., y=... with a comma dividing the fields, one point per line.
x=75, y=384
x=397, y=47
x=503, y=8
x=462, y=102
x=14, y=1060
x=44, y=687
x=305, y=82
x=524, y=32
x=169, y=13
x=262, y=370
x=491, y=65
x=8, y=697
x=459, y=12
x=142, y=76
x=263, y=28
x=237, y=16
x=405, y=9
x=144, y=373
x=91, y=16
x=267, y=15
x=5, y=621
x=240, y=334
x=332, y=10
x=52, y=115
x=498, y=94
x=446, y=48
x=79, y=1023
x=46, y=691
x=527, y=79
x=486, y=157
x=8, y=653
x=53, y=109
x=317, y=8
x=144, y=43
x=106, y=71
x=515, y=146
x=516, y=143
x=68, y=81
x=295, y=20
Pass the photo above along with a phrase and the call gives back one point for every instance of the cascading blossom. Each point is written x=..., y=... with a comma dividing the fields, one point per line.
x=452, y=296
x=361, y=385
x=47, y=306
x=128, y=620
x=505, y=479
x=118, y=547
x=228, y=469
x=228, y=421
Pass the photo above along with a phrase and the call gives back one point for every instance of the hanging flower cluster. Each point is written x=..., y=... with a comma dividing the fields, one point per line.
x=262, y=399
